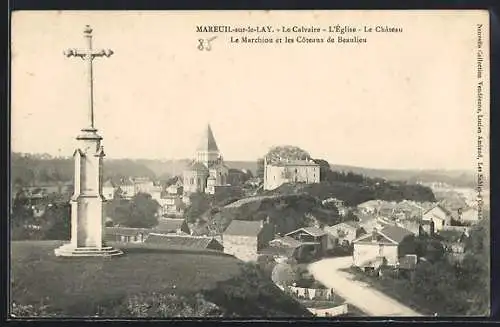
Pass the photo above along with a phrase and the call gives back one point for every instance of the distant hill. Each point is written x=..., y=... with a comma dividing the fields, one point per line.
x=43, y=168
x=460, y=178
x=453, y=177
x=144, y=282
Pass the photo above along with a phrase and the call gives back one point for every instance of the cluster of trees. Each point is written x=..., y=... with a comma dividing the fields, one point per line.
x=253, y=294
x=355, y=189
x=139, y=212
x=448, y=287
x=54, y=224
x=289, y=152
x=29, y=169
x=355, y=193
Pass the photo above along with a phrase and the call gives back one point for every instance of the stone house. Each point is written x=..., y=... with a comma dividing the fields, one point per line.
x=283, y=248
x=313, y=239
x=383, y=247
x=108, y=190
x=439, y=215
x=175, y=189
x=171, y=205
x=369, y=207
x=418, y=227
x=143, y=185
x=469, y=215
x=245, y=239
x=343, y=233
x=127, y=188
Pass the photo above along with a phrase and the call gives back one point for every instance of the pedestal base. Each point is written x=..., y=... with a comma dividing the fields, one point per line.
x=69, y=250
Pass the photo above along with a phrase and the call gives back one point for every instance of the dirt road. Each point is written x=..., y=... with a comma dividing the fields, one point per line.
x=357, y=293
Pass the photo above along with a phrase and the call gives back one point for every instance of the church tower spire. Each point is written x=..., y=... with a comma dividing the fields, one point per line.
x=207, y=151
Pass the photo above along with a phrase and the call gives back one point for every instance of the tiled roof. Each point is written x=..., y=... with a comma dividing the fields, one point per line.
x=207, y=142
x=125, y=231
x=352, y=224
x=370, y=203
x=344, y=225
x=395, y=233
x=445, y=210
x=127, y=182
x=243, y=228
x=180, y=241
x=286, y=241
x=169, y=225
x=313, y=231
x=279, y=251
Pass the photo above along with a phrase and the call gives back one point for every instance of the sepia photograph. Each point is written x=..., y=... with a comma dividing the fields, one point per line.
x=249, y=164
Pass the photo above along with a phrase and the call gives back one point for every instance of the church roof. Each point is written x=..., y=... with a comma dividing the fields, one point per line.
x=207, y=142
x=218, y=166
x=198, y=166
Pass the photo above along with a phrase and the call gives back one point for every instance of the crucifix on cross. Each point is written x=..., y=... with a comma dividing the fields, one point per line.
x=88, y=55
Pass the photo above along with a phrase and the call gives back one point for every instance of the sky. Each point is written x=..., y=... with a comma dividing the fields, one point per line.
x=401, y=100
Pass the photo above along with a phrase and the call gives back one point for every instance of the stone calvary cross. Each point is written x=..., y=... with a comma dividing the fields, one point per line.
x=87, y=201
x=88, y=55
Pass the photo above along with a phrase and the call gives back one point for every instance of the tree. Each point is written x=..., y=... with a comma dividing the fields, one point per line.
x=57, y=222
x=199, y=204
x=325, y=171
x=140, y=212
x=260, y=168
x=21, y=218
x=287, y=152
x=351, y=216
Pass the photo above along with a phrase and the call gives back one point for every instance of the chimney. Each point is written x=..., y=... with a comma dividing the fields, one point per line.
x=374, y=234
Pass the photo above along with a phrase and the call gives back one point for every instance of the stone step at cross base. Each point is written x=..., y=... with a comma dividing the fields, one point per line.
x=69, y=250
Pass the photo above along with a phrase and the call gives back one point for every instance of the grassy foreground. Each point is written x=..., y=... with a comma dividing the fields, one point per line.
x=144, y=282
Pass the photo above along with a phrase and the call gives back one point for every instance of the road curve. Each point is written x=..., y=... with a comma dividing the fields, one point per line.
x=357, y=293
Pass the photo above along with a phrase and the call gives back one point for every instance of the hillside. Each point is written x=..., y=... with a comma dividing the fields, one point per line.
x=354, y=193
x=145, y=282
x=286, y=212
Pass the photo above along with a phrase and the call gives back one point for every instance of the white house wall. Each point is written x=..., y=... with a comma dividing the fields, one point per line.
x=364, y=252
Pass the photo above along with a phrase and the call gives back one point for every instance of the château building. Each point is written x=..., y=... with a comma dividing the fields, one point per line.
x=279, y=172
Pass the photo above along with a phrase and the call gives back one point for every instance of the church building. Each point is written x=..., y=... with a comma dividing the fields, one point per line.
x=207, y=171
